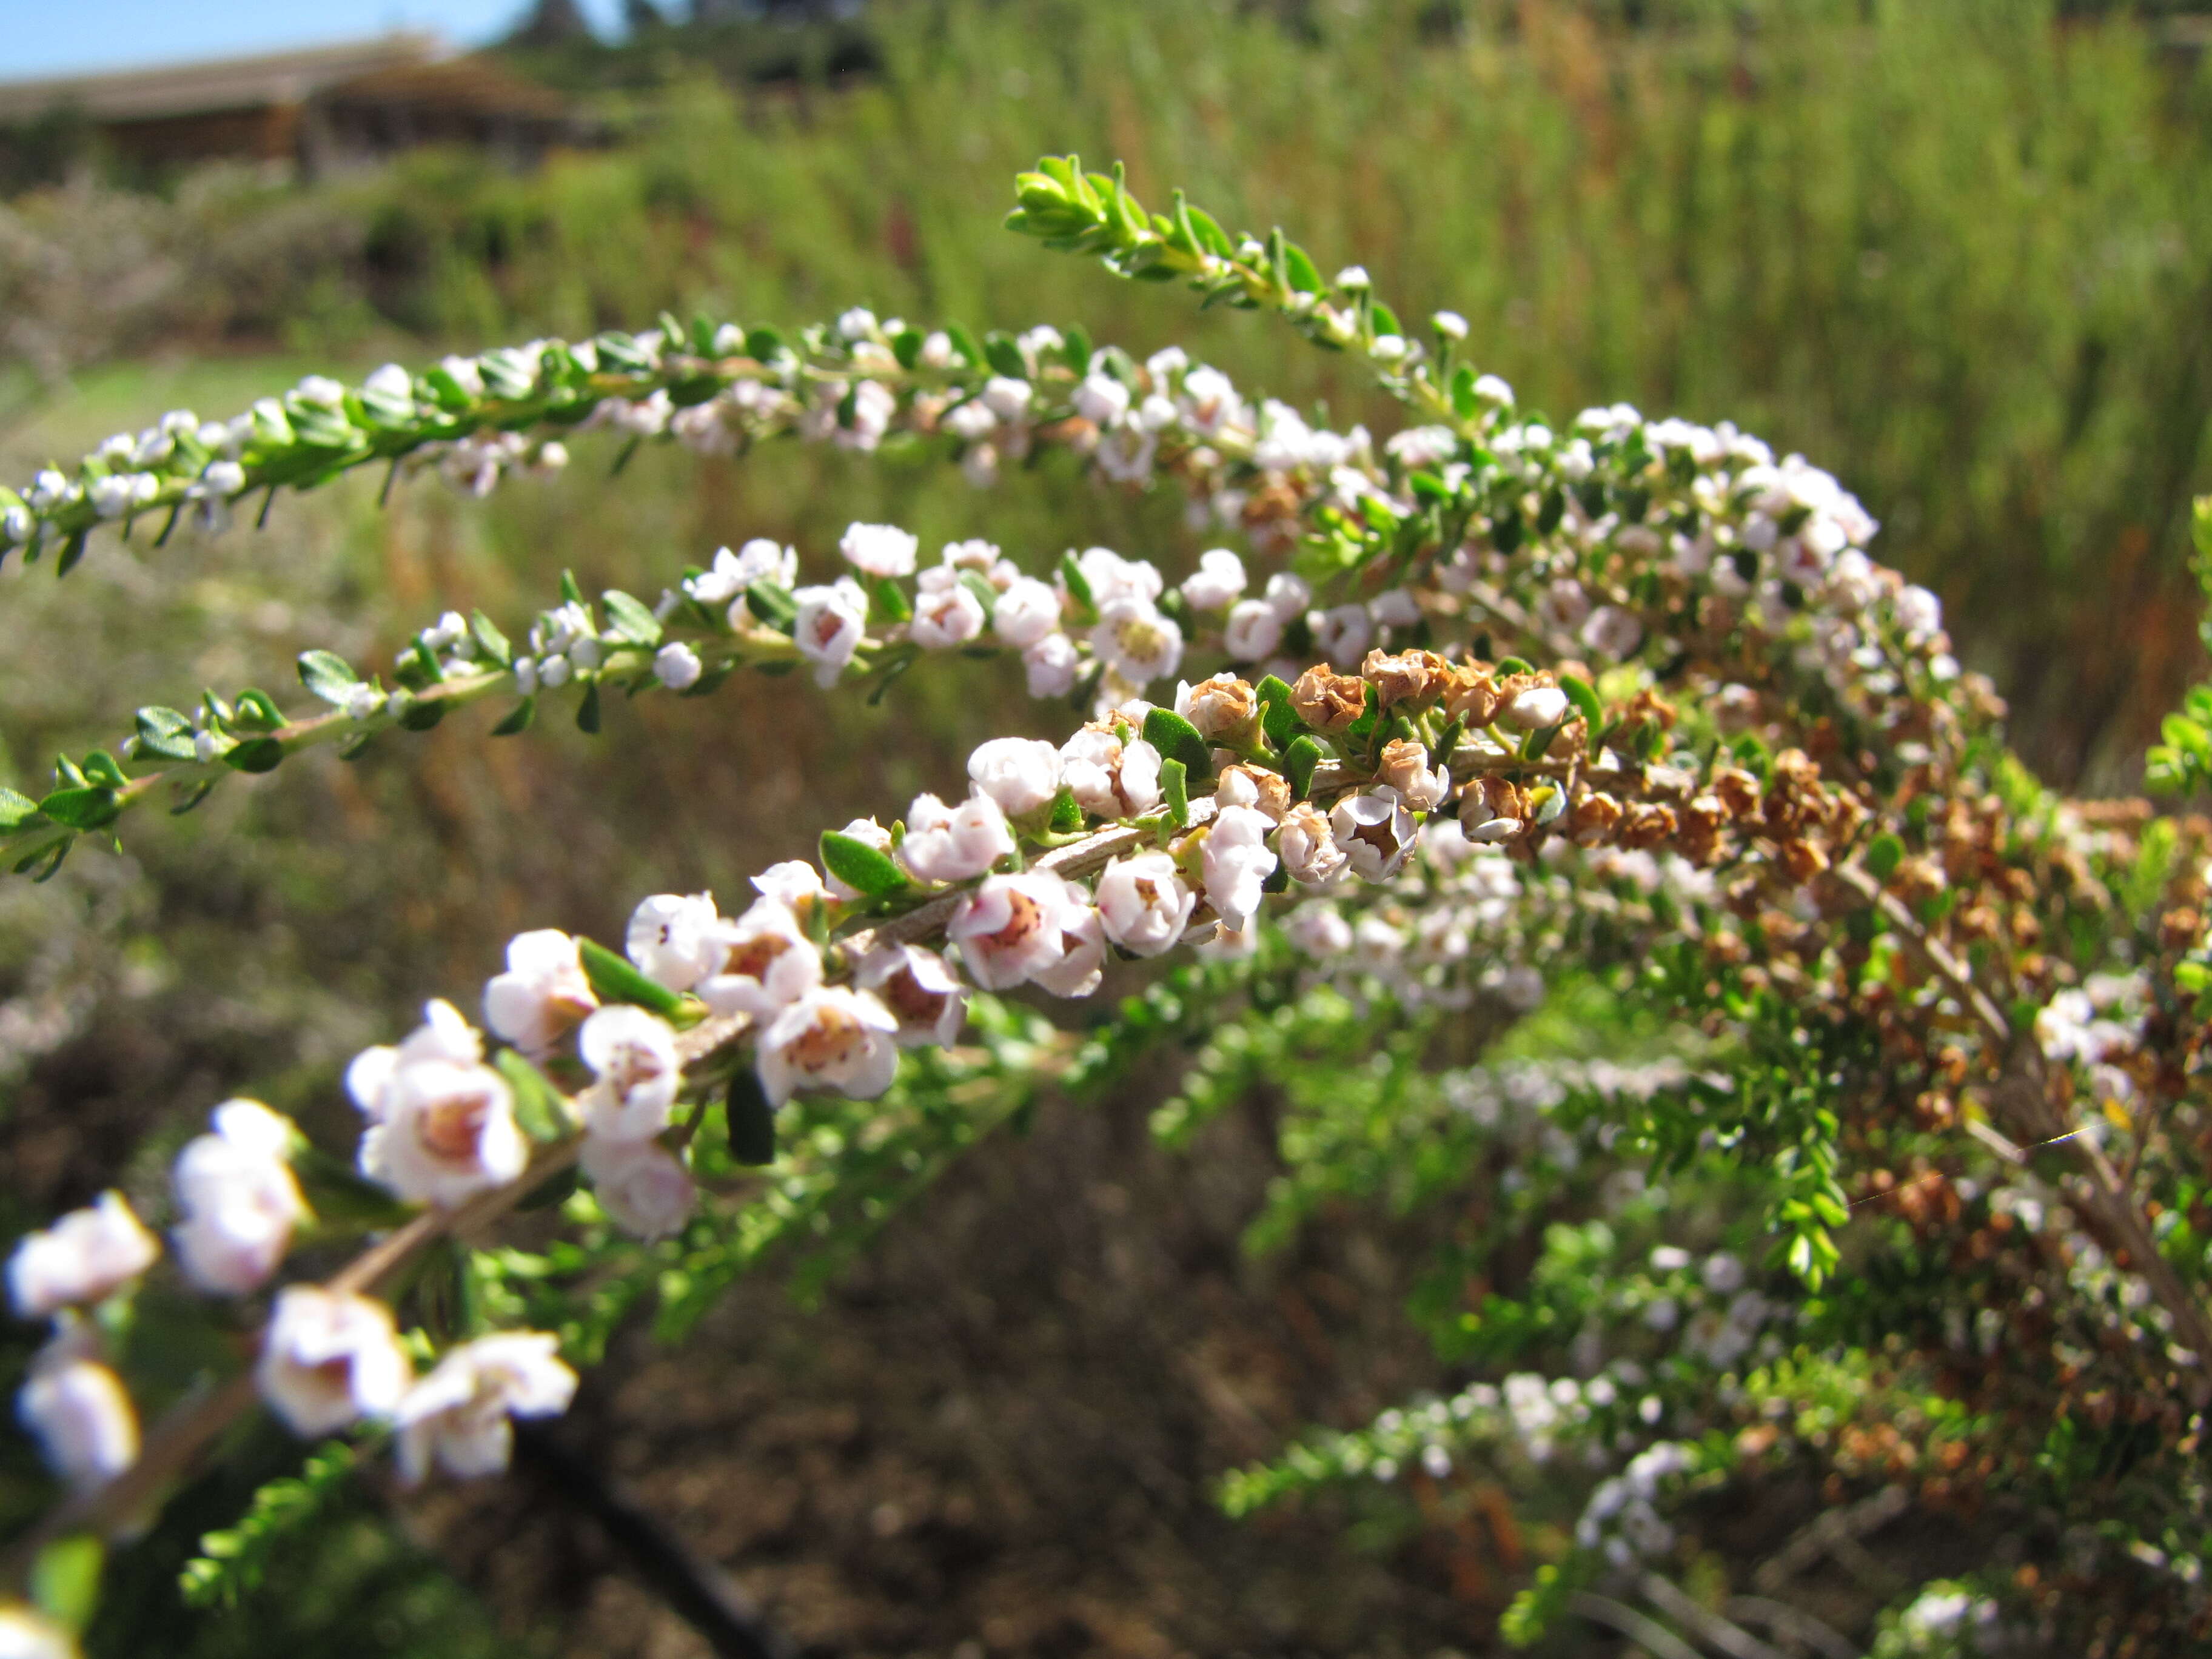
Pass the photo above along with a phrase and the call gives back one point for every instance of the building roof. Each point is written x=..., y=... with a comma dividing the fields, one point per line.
x=229, y=83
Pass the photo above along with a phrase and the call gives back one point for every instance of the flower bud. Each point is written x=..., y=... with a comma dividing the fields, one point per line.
x=1329, y=702
x=1027, y=611
x=329, y=1358
x=954, y=843
x=1218, y=581
x=1536, y=708
x=1020, y=774
x=1236, y=862
x=79, y=1412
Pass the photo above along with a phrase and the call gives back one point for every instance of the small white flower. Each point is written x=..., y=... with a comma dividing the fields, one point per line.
x=542, y=993
x=793, y=883
x=363, y=701
x=954, y=843
x=1396, y=607
x=82, y=1259
x=767, y=962
x=441, y=1126
x=1308, y=847
x=237, y=1199
x=1026, y=612
x=677, y=665
x=644, y=1188
x=632, y=1052
x=1491, y=390
x=1389, y=347
x=1253, y=631
x=1218, y=581
x=1375, y=832
x=1319, y=929
x=329, y=1358
x=1536, y=708
x=830, y=624
x=1237, y=861
x=25, y=1634
x=80, y=1413
x=1109, y=777
x=948, y=617
x=1354, y=278
x=672, y=938
x=1082, y=946
x=1009, y=399
x=459, y=1415
x=1009, y=929
x=937, y=350
x=832, y=1038
x=879, y=549
x=1136, y=641
x=1143, y=903
x=1048, y=667
x=920, y=989
x=1020, y=774
x=1102, y=399
x=758, y=561
x=858, y=323
x=1612, y=632
x=1450, y=324
x=1343, y=634
x=1110, y=577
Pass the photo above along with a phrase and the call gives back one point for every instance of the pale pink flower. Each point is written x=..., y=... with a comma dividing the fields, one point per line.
x=459, y=1414
x=1236, y=862
x=1027, y=611
x=954, y=843
x=833, y=1038
x=1020, y=774
x=672, y=938
x=79, y=1412
x=329, y=1358
x=542, y=993
x=1082, y=947
x=831, y=622
x=1308, y=847
x=920, y=989
x=879, y=549
x=1374, y=831
x=1143, y=903
x=1109, y=775
x=633, y=1054
x=238, y=1199
x=947, y=616
x=643, y=1188
x=1009, y=929
x=1048, y=667
x=441, y=1123
x=84, y=1258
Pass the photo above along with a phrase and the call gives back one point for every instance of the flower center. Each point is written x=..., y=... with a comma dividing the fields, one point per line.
x=1023, y=916
x=753, y=957
x=911, y=1001
x=832, y=1039
x=451, y=1128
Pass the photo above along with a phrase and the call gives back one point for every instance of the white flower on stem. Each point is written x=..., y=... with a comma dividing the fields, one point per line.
x=633, y=1054
x=1110, y=577
x=946, y=617
x=1450, y=324
x=794, y=883
x=79, y=1412
x=1253, y=631
x=1135, y=640
x=1020, y=774
x=1343, y=634
x=677, y=665
x=879, y=549
x=1048, y=667
x=937, y=351
x=459, y=1415
x=542, y=993
x=1405, y=767
x=758, y=561
x=954, y=843
x=441, y=1123
x=833, y=1038
x=1028, y=611
x=868, y=833
x=1354, y=278
x=920, y=989
x=1307, y=846
x=1319, y=929
x=1007, y=398
x=1218, y=581
x=1493, y=390
x=1612, y=632
x=1236, y=861
x=1082, y=947
x=82, y=1259
x=831, y=624
x=857, y=323
x=767, y=962
x=1143, y=903
x=1102, y=399
x=1109, y=775
x=1394, y=608
x=971, y=421
x=1537, y=708
x=1374, y=831
x=643, y=1188
x=672, y=938
x=237, y=1200
x=1009, y=929
x=329, y=1358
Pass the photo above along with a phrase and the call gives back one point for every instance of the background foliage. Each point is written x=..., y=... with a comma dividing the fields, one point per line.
x=1958, y=251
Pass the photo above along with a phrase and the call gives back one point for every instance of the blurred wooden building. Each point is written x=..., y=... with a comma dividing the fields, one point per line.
x=318, y=109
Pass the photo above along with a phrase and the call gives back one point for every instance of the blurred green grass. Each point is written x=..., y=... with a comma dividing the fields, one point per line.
x=1954, y=251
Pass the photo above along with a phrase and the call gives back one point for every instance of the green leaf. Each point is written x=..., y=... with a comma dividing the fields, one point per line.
x=1004, y=357
x=773, y=604
x=570, y=593
x=190, y=795
x=489, y=640
x=631, y=618
x=888, y=599
x=257, y=712
x=65, y=1579
x=1513, y=665
x=255, y=755
x=84, y=807
x=587, y=711
x=100, y=767
x=1583, y=696
x=517, y=719
x=906, y=346
x=1298, y=763
x=327, y=675
x=1883, y=854
x=340, y=1195
x=617, y=981
x=1277, y=718
x=986, y=595
x=1465, y=403
x=763, y=345
x=1176, y=788
x=16, y=810
x=751, y=1119
x=1304, y=278
x=1177, y=739
x=867, y=870
x=1079, y=589
x=1067, y=816
x=539, y=1107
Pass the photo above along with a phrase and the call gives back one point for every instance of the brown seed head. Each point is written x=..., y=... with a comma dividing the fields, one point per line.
x=1327, y=701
